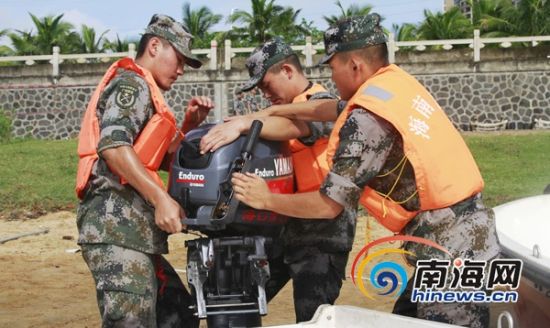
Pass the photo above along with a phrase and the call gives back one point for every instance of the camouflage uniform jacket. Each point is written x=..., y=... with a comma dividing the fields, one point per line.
x=369, y=151
x=334, y=235
x=112, y=213
x=365, y=142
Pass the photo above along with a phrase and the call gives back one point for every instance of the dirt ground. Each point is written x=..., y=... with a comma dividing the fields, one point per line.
x=44, y=283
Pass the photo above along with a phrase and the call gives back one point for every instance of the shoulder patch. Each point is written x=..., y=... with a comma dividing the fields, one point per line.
x=126, y=95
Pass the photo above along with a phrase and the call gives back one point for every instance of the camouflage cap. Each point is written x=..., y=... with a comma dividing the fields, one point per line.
x=353, y=33
x=262, y=58
x=175, y=33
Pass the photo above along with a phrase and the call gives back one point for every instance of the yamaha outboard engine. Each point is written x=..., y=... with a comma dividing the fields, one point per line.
x=227, y=270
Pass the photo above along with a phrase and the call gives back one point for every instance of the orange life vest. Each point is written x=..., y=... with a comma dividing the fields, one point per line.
x=445, y=171
x=150, y=146
x=310, y=164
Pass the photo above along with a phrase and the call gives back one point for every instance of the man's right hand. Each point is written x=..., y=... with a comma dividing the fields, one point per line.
x=168, y=215
x=225, y=133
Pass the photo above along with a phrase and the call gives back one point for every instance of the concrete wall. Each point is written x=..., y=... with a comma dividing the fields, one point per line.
x=512, y=84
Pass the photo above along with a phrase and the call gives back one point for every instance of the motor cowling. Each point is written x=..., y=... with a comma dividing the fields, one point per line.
x=196, y=181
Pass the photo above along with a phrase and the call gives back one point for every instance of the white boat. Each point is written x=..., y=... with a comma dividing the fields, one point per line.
x=523, y=228
x=347, y=316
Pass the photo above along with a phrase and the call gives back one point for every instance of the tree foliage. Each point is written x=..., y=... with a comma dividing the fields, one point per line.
x=90, y=42
x=451, y=24
x=199, y=23
x=5, y=50
x=52, y=31
x=494, y=18
x=352, y=10
x=23, y=43
x=267, y=19
x=533, y=17
x=405, y=32
x=118, y=44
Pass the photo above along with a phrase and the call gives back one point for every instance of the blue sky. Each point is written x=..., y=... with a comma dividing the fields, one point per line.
x=128, y=18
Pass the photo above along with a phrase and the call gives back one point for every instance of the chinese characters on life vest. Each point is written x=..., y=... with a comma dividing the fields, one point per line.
x=418, y=125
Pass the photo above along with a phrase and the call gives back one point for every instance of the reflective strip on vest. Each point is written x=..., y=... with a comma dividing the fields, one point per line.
x=445, y=171
x=376, y=92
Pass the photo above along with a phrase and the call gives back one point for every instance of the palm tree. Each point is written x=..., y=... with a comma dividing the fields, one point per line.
x=491, y=17
x=51, y=31
x=23, y=43
x=88, y=42
x=264, y=22
x=532, y=17
x=286, y=26
x=256, y=23
x=449, y=25
x=405, y=32
x=352, y=10
x=198, y=23
x=5, y=50
x=118, y=45
x=310, y=29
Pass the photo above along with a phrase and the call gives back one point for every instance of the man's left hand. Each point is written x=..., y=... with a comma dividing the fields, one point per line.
x=251, y=190
x=197, y=111
x=225, y=133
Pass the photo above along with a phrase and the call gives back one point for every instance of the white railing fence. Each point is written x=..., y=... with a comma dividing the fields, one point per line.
x=308, y=50
x=57, y=58
x=476, y=43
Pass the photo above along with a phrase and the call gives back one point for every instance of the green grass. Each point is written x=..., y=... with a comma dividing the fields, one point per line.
x=513, y=165
x=39, y=175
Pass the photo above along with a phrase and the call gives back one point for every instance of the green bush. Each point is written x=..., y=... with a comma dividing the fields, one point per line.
x=5, y=127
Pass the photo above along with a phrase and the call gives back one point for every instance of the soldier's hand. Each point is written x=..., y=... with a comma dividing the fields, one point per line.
x=168, y=214
x=225, y=133
x=197, y=111
x=251, y=190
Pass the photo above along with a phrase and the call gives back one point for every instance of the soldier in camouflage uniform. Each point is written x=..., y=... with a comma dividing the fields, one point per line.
x=123, y=228
x=369, y=150
x=316, y=263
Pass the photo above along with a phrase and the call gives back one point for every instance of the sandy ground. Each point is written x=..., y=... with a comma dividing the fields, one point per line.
x=44, y=284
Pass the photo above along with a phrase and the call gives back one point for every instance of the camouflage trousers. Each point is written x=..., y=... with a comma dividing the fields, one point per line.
x=316, y=278
x=135, y=289
x=467, y=230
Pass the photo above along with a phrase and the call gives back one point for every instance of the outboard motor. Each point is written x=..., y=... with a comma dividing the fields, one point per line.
x=227, y=270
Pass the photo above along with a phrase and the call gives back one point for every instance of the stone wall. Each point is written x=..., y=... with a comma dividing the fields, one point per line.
x=512, y=84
